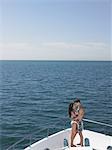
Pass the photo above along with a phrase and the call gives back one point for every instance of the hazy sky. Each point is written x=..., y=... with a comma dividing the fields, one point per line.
x=55, y=29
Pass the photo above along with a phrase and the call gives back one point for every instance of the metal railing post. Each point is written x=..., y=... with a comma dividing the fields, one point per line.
x=47, y=132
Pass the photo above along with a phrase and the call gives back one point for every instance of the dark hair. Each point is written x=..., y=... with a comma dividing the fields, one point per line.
x=77, y=100
x=70, y=108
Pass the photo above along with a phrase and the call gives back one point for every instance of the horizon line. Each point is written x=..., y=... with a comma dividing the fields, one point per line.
x=49, y=60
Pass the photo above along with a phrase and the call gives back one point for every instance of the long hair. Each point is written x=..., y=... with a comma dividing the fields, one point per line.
x=70, y=108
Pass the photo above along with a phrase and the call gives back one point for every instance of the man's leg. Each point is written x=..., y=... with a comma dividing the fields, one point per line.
x=81, y=138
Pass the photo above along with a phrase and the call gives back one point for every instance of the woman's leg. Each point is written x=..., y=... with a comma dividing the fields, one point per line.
x=73, y=133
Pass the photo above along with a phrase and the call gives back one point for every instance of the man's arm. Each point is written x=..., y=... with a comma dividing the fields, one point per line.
x=80, y=114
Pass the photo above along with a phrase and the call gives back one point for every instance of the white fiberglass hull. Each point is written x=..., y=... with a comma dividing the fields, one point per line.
x=96, y=141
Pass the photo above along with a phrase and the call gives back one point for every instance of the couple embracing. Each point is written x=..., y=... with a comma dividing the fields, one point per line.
x=76, y=114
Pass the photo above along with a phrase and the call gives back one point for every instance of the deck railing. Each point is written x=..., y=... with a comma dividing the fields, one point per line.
x=97, y=122
x=35, y=132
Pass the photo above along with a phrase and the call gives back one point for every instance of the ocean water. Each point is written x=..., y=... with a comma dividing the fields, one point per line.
x=34, y=95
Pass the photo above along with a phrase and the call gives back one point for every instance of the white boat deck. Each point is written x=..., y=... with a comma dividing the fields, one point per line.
x=97, y=141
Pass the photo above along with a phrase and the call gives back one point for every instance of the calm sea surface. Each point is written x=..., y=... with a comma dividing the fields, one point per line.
x=35, y=95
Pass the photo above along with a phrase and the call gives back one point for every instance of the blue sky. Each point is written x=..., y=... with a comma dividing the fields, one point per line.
x=55, y=29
